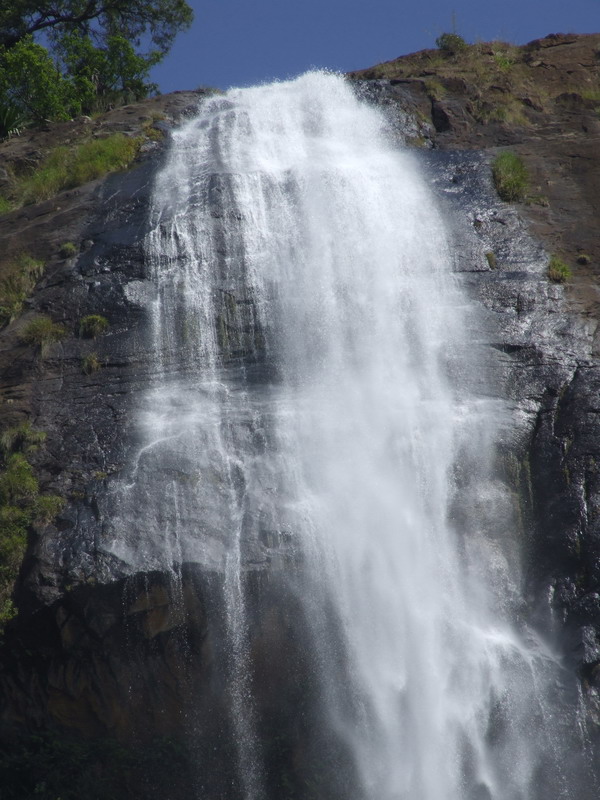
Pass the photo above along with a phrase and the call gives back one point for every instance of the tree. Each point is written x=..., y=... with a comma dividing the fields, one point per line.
x=90, y=52
x=32, y=85
x=162, y=20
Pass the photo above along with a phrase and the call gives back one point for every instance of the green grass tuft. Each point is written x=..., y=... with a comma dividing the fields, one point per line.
x=21, y=505
x=510, y=177
x=558, y=271
x=67, y=249
x=92, y=325
x=42, y=332
x=21, y=437
x=46, y=508
x=21, y=275
x=90, y=364
x=435, y=90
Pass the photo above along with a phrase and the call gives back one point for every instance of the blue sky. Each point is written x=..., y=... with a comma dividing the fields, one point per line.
x=243, y=42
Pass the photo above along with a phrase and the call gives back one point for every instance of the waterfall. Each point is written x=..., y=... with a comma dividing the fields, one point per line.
x=312, y=418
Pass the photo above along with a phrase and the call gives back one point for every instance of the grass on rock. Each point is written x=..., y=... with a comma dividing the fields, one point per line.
x=42, y=332
x=558, y=271
x=93, y=325
x=510, y=177
x=21, y=505
x=68, y=167
x=21, y=274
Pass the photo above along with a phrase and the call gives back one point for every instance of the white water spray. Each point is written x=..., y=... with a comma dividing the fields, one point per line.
x=310, y=385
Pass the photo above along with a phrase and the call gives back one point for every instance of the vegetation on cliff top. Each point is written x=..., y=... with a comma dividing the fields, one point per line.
x=68, y=167
x=503, y=82
x=90, y=58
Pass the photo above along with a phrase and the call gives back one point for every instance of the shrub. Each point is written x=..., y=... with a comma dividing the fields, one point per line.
x=22, y=273
x=21, y=437
x=47, y=508
x=558, y=271
x=30, y=82
x=451, y=43
x=90, y=364
x=67, y=249
x=21, y=505
x=42, y=331
x=12, y=120
x=92, y=325
x=510, y=176
x=17, y=482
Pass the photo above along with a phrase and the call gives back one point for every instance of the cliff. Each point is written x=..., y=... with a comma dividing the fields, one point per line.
x=103, y=648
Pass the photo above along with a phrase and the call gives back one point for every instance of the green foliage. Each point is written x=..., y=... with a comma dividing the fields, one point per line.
x=510, y=176
x=158, y=20
x=434, y=88
x=21, y=504
x=17, y=482
x=90, y=55
x=90, y=364
x=47, y=508
x=591, y=93
x=558, y=271
x=32, y=85
x=12, y=119
x=104, y=76
x=22, y=438
x=65, y=168
x=21, y=274
x=152, y=132
x=42, y=332
x=504, y=60
x=451, y=43
x=67, y=249
x=92, y=325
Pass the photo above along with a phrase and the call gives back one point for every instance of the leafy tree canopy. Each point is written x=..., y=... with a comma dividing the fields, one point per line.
x=162, y=20
x=64, y=57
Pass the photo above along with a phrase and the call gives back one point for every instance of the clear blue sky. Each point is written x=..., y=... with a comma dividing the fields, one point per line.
x=243, y=42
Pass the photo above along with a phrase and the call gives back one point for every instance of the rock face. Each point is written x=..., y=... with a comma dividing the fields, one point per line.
x=102, y=651
x=541, y=101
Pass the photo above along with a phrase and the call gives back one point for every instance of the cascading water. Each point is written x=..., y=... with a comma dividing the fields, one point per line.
x=311, y=416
